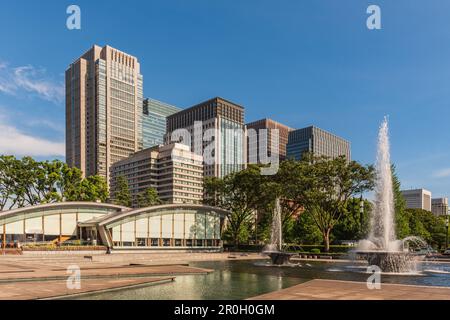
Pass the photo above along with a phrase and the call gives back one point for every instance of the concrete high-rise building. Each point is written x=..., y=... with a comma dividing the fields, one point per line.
x=253, y=147
x=103, y=109
x=173, y=170
x=216, y=130
x=154, y=116
x=439, y=206
x=318, y=142
x=417, y=199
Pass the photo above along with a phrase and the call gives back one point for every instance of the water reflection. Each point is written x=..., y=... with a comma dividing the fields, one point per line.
x=244, y=279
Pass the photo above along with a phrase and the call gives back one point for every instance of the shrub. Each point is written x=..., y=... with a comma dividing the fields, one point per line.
x=315, y=250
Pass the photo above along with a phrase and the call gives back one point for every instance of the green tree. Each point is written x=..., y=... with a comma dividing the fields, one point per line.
x=93, y=188
x=70, y=183
x=122, y=194
x=353, y=225
x=305, y=230
x=426, y=225
x=148, y=198
x=27, y=182
x=331, y=184
x=241, y=193
x=8, y=198
x=293, y=185
x=401, y=216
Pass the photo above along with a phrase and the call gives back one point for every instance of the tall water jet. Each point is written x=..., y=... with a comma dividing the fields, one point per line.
x=274, y=248
x=276, y=235
x=382, y=226
x=382, y=247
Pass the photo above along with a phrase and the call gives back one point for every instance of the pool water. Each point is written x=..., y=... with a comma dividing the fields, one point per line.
x=243, y=279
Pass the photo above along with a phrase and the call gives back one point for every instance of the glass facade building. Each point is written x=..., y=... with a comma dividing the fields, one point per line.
x=154, y=116
x=318, y=142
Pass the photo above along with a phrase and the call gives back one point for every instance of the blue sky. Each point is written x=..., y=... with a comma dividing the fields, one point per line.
x=298, y=62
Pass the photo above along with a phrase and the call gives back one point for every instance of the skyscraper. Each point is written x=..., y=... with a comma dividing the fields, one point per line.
x=154, y=116
x=103, y=109
x=253, y=147
x=225, y=121
x=318, y=142
x=417, y=199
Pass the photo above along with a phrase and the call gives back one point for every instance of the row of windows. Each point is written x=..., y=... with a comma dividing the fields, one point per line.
x=121, y=122
x=122, y=96
x=168, y=242
x=122, y=105
x=122, y=86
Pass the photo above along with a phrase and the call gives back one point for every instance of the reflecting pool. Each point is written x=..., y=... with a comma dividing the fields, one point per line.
x=243, y=279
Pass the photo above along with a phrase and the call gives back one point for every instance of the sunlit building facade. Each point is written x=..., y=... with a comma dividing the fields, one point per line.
x=173, y=170
x=104, y=97
x=254, y=144
x=439, y=206
x=417, y=199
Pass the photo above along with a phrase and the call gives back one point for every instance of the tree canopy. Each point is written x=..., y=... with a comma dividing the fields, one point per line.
x=27, y=182
x=241, y=193
x=122, y=195
x=148, y=198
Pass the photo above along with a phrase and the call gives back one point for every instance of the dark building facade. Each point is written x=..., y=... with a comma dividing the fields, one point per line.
x=318, y=142
x=226, y=120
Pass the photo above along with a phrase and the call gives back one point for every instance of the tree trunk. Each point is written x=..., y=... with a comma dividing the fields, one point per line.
x=236, y=240
x=326, y=240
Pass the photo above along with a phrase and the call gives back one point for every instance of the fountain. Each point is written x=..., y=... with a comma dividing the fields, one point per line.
x=274, y=249
x=382, y=248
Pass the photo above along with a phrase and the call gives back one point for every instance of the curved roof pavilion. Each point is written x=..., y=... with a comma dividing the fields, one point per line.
x=167, y=226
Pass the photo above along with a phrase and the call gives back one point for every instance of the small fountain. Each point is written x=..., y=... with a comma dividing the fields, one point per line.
x=382, y=248
x=274, y=249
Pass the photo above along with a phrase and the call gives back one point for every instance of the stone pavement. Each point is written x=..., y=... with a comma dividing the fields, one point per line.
x=320, y=289
x=44, y=275
x=29, y=290
x=36, y=277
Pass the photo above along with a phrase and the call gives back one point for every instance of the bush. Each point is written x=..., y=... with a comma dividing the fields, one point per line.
x=315, y=250
x=308, y=248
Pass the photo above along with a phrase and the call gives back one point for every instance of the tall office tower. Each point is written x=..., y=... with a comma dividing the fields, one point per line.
x=154, y=116
x=417, y=199
x=223, y=153
x=253, y=147
x=318, y=142
x=103, y=109
x=439, y=206
x=173, y=170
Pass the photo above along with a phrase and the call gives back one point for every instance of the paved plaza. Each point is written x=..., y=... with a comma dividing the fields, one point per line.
x=320, y=289
x=30, y=290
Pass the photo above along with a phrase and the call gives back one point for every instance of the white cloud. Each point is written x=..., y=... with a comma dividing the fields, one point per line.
x=46, y=123
x=32, y=80
x=443, y=173
x=17, y=143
